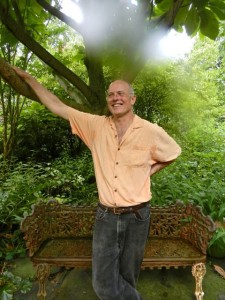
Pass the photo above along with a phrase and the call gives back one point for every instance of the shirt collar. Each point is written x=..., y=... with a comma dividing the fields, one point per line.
x=137, y=122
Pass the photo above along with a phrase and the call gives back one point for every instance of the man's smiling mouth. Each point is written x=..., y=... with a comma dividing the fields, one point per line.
x=117, y=104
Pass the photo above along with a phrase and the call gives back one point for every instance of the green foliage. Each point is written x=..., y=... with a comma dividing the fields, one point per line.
x=18, y=191
x=217, y=244
x=69, y=179
x=41, y=136
x=196, y=178
x=153, y=87
x=192, y=21
x=10, y=283
x=11, y=243
x=10, y=102
x=218, y=7
x=209, y=25
x=131, y=27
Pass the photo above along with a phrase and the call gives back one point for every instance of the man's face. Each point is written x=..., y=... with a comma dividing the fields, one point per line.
x=120, y=100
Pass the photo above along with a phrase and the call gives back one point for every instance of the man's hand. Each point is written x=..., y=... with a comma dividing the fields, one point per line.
x=52, y=102
x=22, y=74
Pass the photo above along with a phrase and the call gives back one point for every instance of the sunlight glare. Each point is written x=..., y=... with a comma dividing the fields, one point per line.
x=72, y=10
x=134, y=2
x=176, y=45
x=172, y=46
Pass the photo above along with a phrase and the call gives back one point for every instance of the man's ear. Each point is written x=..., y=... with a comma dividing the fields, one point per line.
x=133, y=100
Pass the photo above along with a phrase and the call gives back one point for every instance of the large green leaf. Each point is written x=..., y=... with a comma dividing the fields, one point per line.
x=220, y=4
x=181, y=17
x=209, y=25
x=7, y=38
x=164, y=5
x=218, y=8
x=192, y=21
x=200, y=3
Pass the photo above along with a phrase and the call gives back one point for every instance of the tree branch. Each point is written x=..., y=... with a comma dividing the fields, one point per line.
x=21, y=87
x=94, y=65
x=9, y=75
x=44, y=55
x=61, y=16
x=17, y=12
x=169, y=17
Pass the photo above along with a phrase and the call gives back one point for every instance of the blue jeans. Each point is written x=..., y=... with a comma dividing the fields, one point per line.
x=118, y=249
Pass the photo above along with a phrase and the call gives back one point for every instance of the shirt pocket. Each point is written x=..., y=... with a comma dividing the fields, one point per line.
x=137, y=157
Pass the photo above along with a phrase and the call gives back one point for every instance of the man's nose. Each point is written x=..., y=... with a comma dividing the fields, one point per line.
x=115, y=96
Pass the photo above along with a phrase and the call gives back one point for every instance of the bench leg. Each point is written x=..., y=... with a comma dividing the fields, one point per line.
x=198, y=271
x=43, y=271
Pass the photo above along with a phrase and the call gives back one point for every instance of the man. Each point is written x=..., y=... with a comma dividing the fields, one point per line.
x=126, y=151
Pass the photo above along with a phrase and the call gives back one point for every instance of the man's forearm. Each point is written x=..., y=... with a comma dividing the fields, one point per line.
x=159, y=166
x=46, y=97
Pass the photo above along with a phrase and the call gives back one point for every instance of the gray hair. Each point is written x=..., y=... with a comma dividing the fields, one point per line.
x=130, y=87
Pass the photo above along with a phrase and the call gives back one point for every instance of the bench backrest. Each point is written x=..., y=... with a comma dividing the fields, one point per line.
x=53, y=220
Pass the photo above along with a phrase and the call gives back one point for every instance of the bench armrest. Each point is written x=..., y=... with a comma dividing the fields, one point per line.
x=200, y=229
x=181, y=221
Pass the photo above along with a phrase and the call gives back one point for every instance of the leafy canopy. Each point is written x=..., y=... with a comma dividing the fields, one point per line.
x=118, y=36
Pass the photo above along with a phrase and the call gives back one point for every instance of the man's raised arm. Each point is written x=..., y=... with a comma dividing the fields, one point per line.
x=51, y=101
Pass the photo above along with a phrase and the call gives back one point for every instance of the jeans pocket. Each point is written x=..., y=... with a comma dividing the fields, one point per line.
x=100, y=213
x=143, y=214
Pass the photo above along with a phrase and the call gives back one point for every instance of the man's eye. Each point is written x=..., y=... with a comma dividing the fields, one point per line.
x=110, y=95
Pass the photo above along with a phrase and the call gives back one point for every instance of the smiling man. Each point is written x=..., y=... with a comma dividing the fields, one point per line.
x=126, y=151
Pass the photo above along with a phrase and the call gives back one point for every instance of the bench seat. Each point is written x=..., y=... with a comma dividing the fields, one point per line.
x=77, y=252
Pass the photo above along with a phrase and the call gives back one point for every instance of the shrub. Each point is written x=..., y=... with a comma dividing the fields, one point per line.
x=10, y=283
x=193, y=180
x=42, y=137
x=70, y=180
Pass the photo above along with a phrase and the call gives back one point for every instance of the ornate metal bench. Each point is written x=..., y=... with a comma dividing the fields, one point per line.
x=61, y=235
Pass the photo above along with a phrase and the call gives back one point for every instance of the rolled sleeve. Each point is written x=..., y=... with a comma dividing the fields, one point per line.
x=83, y=125
x=166, y=149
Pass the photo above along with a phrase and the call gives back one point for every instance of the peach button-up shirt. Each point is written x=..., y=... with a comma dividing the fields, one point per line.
x=123, y=170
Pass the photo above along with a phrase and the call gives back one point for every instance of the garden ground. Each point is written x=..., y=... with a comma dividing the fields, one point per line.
x=153, y=284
